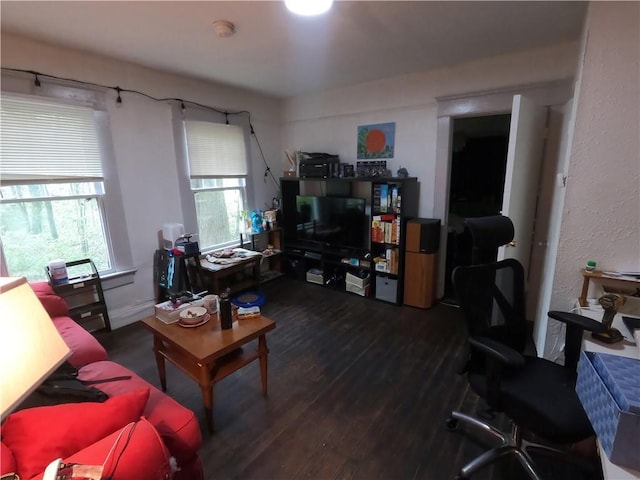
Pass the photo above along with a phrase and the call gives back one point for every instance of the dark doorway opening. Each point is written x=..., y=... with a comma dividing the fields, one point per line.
x=478, y=164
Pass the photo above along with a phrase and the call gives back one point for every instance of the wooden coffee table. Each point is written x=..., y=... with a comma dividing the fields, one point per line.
x=207, y=353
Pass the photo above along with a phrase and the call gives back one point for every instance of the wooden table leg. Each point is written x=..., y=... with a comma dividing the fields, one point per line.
x=160, y=362
x=263, y=352
x=585, y=291
x=206, y=386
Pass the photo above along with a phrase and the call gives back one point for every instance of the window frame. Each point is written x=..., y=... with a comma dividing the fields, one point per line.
x=109, y=202
x=187, y=193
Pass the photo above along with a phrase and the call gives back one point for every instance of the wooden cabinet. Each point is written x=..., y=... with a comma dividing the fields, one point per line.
x=421, y=260
x=420, y=279
x=84, y=295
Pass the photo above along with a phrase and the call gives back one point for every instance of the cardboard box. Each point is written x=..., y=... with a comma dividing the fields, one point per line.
x=358, y=290
x=315, y=275
x=386, y=289
x=609, y=388
x=356, y=280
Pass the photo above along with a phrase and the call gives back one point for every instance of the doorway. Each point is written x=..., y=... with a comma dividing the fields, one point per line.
x=476, y=187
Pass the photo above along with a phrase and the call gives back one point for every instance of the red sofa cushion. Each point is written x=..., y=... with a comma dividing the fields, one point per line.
x=177, y=425
x=39, y=435
x=138, y=453
x=7, y=460
x=52, y=303
x=84, y=347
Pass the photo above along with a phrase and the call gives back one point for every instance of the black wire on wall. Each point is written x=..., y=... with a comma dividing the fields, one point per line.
x=183, y=105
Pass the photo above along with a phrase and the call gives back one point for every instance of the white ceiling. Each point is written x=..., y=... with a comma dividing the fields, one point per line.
x=278, y=53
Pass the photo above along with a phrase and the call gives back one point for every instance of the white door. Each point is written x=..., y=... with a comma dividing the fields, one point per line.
x=524, y=158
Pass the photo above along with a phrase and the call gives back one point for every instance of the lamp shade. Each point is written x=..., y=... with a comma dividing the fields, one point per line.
x=30, y=346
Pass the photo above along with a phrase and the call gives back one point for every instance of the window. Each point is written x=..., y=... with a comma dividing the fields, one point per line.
x=217, y=160
x=51, y=185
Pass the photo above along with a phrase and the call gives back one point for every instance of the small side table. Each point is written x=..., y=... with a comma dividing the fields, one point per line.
x=620, y=281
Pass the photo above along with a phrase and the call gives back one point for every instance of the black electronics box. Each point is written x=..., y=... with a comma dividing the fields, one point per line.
x=319, y=165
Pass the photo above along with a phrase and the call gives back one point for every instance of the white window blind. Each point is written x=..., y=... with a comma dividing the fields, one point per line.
x=215, y=150
x=43, y=141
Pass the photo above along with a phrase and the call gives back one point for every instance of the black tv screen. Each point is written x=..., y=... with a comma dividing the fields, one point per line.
x=331, y=221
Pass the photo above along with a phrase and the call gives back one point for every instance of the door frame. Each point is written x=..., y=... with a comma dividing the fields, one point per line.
x=478, y=104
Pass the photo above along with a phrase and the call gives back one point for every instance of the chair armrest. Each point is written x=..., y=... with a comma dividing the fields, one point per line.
x=581, y=321
x=576, y=325
x=497, y=356
x=498, y=351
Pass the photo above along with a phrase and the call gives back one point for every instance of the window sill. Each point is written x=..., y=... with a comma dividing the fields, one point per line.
x=117, y=279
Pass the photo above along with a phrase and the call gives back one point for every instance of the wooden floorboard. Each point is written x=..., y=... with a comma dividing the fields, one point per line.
x=358, y=389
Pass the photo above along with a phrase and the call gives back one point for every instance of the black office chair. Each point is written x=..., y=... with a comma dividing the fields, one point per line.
x=536, y=394
x=487, y=235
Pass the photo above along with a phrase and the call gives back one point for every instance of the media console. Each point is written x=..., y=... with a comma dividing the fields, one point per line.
x=370, y=266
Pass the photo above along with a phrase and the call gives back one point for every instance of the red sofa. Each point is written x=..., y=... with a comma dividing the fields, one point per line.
x=85, y=432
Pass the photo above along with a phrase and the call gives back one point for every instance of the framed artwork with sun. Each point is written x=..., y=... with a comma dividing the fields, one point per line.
x=376, y=141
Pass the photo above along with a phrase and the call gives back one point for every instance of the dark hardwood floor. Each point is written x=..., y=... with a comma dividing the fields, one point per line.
x=358, y=389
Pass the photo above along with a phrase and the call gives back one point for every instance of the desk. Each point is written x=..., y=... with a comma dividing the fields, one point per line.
x=237, y=274
x=626, y=348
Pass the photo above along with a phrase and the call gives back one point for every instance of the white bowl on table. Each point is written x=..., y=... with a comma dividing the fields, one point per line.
x=193, y=315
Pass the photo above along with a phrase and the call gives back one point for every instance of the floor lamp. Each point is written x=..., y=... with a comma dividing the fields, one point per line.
x=30, y=350
x=30, y=346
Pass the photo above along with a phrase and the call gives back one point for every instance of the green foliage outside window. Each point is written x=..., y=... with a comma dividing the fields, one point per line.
x=36, y=232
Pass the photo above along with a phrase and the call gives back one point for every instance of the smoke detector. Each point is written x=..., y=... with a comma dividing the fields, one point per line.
x=224, y=28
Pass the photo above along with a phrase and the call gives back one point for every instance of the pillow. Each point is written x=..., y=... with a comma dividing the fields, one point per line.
x=138, y=454
x=7, y=461
x=39, y=435
x=52, y=303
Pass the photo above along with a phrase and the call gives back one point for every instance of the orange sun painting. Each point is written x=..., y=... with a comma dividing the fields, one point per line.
x=376, y=141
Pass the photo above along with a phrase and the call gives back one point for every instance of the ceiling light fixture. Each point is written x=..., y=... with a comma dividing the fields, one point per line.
x=308, y=7
x=224, y=28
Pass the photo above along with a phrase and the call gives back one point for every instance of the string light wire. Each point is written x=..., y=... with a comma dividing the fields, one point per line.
x=183, y=103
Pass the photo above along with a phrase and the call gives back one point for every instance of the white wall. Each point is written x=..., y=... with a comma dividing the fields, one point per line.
x=328, y=121
x=601, y=216
x=601, y=208
x=144, y=150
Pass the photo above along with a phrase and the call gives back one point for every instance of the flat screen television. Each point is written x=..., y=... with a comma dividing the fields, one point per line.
x=338, y=222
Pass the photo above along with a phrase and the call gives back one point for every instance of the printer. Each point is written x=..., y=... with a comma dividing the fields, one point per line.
x=319, y=165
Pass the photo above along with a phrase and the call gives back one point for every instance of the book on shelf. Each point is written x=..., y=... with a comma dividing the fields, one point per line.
x=391, y=256
x=377, y=231
x=384, y=198
x=385, y=228
x=395, y=231
x=394, y=200
x=376, y=198
x=387, y=232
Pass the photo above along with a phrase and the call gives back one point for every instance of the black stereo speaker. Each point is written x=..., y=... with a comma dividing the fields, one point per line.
x=423, y=235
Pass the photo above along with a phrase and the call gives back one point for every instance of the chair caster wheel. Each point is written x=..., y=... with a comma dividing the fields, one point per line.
x=452, y=423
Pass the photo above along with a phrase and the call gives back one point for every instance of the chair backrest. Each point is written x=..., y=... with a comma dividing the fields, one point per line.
x=487, y=234
x=493, y=301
